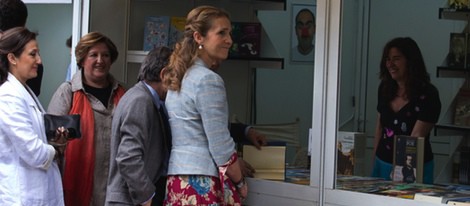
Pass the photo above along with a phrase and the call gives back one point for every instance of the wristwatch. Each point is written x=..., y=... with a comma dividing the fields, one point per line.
x=241, y=183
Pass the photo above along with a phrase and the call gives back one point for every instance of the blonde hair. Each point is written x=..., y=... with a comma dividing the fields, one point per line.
x=199, y=20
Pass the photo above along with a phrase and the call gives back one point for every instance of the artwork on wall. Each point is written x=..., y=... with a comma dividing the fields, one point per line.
x=303, y=33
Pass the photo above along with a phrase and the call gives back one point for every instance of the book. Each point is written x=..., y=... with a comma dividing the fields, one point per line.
x=440, y=197
x=362, y=184
x=269, y=162
x=460, y=188
x=462, y=108
x=176, y=30
x=458, y=50
x=350, y=153
x=246, y=37
x=408, y=159
x=298, y=175
x=408, y=190
x=156, y=31
x=464, y=166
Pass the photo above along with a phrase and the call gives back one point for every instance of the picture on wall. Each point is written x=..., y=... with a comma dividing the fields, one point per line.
x=303, y=33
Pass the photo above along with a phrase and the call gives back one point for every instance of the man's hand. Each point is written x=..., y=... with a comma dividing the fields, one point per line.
x=256, y=138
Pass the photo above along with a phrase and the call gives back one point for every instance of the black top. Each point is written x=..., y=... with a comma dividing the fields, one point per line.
x=35, y=83
x=102, y=94
x=425, y=107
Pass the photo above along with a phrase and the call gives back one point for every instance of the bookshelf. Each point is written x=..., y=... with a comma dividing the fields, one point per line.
x=139, y=9
x=137, y=56
x=445, y=70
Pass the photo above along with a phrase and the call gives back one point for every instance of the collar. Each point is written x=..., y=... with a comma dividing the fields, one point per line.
x=155, y=96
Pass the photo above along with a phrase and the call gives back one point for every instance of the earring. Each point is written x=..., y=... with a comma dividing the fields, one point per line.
x=200, y=46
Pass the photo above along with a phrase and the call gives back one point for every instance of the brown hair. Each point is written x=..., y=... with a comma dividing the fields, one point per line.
x=12, y=41
x=199, y=20
x=91, y=39
x=416, y=73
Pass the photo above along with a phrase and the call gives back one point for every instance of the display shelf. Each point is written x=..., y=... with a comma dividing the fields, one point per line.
x=454, y=14
x=453, y=127
x=452, y=72
x=134, y=56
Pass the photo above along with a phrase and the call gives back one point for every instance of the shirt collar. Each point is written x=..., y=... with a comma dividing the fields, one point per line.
x=155, y=96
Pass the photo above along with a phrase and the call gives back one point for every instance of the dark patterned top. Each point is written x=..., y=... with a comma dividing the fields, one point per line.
x=425, y=107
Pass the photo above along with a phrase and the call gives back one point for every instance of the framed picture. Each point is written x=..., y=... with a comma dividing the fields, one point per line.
x=303, y=33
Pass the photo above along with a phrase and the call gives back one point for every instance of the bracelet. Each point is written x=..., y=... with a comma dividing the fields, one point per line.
x=241, y=183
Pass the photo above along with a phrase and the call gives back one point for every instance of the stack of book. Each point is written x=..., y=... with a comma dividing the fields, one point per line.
x=269, y=162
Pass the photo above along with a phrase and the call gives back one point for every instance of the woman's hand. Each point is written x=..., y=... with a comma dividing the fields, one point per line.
x=247, y=169
x=60, y=140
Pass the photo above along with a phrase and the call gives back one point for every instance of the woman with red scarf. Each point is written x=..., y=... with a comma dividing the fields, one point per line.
x=93, y=93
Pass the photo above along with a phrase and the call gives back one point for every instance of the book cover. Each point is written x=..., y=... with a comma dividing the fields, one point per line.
x=408, y=159
x=457, y=50
x=462, y=108
x=246, y=37
x=176, y=30
x=269, y=162
x=350, y=153
x=156, y=31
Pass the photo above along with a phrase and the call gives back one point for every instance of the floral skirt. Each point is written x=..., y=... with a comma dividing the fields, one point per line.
x=200, y=190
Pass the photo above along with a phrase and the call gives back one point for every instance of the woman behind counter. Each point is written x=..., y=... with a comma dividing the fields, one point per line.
x=29, y=175
x=93, y=93
x=203, y=167
x=408, y=104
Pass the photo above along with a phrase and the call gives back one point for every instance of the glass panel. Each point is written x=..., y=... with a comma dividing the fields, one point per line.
x=367, y=26
x=275, y=100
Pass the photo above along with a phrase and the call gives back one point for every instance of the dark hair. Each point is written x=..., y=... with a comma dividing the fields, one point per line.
x=68, y=42
x=13, y=13
x=12, y=41
x=304, y=10
x=199, y=20
x=416, y=73
x=91, y=39
x=154, y=62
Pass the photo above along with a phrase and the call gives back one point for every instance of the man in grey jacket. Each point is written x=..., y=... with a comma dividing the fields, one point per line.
x=140, y=141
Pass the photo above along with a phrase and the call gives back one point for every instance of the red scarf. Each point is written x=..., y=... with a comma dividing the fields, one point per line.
x=80, y=153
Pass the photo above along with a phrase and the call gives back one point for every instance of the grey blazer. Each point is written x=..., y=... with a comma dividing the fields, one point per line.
x=137, y=149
